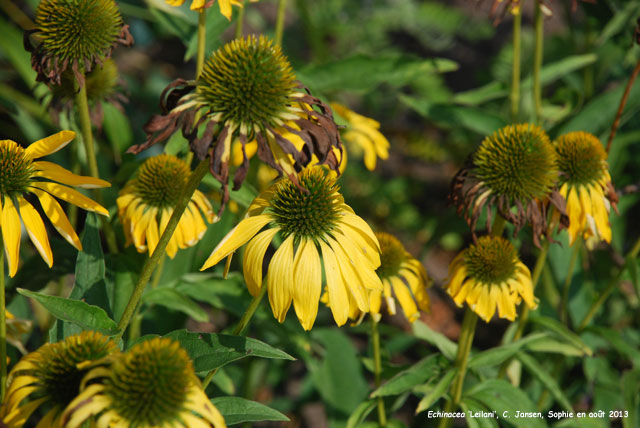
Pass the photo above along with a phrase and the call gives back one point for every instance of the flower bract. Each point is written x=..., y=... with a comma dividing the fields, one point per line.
x=21, y=174
x=316, y=229
x=488, y=276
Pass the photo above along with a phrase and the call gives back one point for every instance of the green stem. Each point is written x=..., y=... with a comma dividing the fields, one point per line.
x=462, y=357
x=377, y=368
x=282, y=7
x=3, y=328
x=242, y=324
x=82, y=107
x=514, y=96
x=136, y=321
x=631, y=256
x=158, y=253
x=623, y=102
x=562, y=309
x=158, y=273
x=240, y=22
x=202, y=40
x=498, y=225
x=537, y=60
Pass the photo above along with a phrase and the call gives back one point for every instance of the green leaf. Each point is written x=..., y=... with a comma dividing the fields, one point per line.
x=360, y=413
x=87, y=316
x=631, y=395
x=480, y=95
x=117, y=129
x=418, y=373
x=210, y=351
x=438, y=391
x=621, y=21
x=90, y=268
x=562, y=332
x=619, y=343
x=551, y=345
x=546, y=379
x=228, y=294
x=244, y=196
x=175, y=300
x=470, y=405
x=236, y=410
x=362, y=73
x=557, y=70
x=439, y=340
x=477, y=120
x=499, y=354
x=501, y=396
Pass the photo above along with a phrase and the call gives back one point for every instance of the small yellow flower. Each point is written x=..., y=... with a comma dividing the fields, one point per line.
x=316, y=229
x=403, y=277
x=199, y=5
x=489, y=275
x=147, y=201
x=586, y=186
x=20, y=174
x=153, y=385
x=50, y=377
x=362, y=134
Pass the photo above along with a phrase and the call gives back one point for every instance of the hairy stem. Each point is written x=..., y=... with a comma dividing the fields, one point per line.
x=282, y=8
x=377, y=369
x=202, y=40
x=537, y=60
x=240, y=22
x=3, y=328
x=514, y=96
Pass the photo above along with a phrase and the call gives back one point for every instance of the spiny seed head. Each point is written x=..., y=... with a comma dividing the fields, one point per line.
x=248, y=81
x=101, y=82
x=491, y=260
x=518, y=162
x=148, y=385
x=15, y=169
x=78, y=30
x=309, y=214
x=161, y=180
x=581, y=158
x=57, y=364
x=392, y=254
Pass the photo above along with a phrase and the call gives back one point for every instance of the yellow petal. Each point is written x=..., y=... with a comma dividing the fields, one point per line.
x=307, y=283
x=58, y=218
x=225, y=8
x=139, y=227
x=405, y=298
x=47, y=420
x=197, y=5
x=600, y=215
x=236, y=238
x=253, y=259
x=362, y=266
x=152, y=230
x=11, y=231
x=576, y=216
x=280, y=279
x=72, y=196
x=57, y=173
x=375, y=301
x=36, y=230
x=362, y=227
x=350, y=277
x=49, y=145
x=204, y=205
x=175, y=3
x=338, y=297
x=369, y=249
x=172, y=247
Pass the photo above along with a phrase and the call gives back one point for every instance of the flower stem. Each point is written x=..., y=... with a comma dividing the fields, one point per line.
x=377, y=368
x=3, y=328
x=631, y=257
x=623, y=102
x=82, y=107
x=537, y=60
x=282, y=7
x=242, y=324
x=562, y=308
x=202, y=40
x=158, y=253
x=514, y=96
x=240, y=22
x=462, y=357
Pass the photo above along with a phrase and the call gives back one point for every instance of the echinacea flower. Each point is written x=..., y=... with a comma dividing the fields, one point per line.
x=20, y=174
x=515, y=172
x=586, y=186
x=224, y=5
x=316, y=229
x=362, y=134
x=153, y=385
x=247, y=91
x=76, y=35
x=488, y=276
x=404, y=279
x=50, y=378
x=147, y=201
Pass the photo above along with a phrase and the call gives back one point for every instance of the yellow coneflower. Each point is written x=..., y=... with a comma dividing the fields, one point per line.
x=316, y=228
x=75, y=35
x=515, y=172
x=586, y=186
x=50, y=378
x=403, y=278
x=20, y=174
x=153, y=385
x=362, y=134
x=147, y=201
x=247, y=91
x=224, y=5
x=488, y=276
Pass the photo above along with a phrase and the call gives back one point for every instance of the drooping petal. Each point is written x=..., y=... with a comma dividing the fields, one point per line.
x=405, y=298
x=58, y=218
x=11, y=231
x=307, y=277
x=50, y=144
x=72, y=196
x=338, y=297
x=280, y=279
x=253, y=259
x=350, y=278
x=57, y=173
x=35, y=229
x=152, y=230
